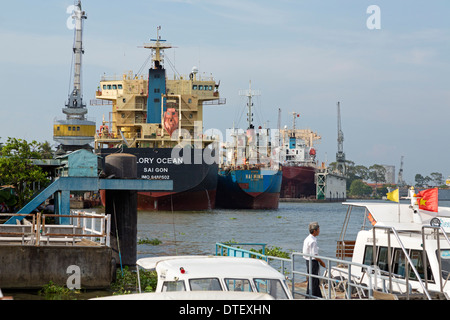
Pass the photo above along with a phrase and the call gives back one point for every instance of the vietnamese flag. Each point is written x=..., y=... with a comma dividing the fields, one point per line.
x=428, y=199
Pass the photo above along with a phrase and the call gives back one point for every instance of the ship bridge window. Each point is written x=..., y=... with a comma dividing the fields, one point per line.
x=119, y=86
x=104, y=87
x=200, y=87
x=194, y=87
x=109, y=87
x=114, y=86
x=210, y=88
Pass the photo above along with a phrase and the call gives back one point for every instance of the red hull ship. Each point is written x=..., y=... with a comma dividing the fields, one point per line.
x=298, y=182
x=298, y=160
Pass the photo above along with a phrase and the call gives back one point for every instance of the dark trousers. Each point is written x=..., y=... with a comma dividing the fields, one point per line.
x=315, y=281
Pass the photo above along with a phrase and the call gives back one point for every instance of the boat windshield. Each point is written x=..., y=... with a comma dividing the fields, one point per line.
x=238, y=285
x=272, y=287
x=445, y=260
x=173, y=286
x=205, y=284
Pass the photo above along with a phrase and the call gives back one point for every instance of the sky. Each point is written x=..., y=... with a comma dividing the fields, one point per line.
x=389, y=68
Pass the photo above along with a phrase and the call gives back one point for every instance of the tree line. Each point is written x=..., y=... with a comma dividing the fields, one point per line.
x=358, y=175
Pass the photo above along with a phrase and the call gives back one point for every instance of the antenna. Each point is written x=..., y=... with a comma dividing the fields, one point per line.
x=249, y=93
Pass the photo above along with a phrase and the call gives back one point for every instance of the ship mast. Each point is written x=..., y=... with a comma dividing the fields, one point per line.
x=157, y=46
x=249, y=93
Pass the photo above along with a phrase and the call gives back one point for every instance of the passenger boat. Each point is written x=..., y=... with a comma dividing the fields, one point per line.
x=193, y=277
x=406, y=245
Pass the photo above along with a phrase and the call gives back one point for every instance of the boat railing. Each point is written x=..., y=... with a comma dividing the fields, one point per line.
x=233, y=250
x=342, y=279
x=410, y=264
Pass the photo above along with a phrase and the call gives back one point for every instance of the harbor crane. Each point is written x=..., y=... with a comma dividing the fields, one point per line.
x=400, y=181
x=340, y=155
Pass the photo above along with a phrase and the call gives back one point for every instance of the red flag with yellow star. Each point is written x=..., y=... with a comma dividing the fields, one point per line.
x=428, y=199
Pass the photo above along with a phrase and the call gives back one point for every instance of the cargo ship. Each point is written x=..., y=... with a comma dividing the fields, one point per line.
x=298, y=162
x=248, y=176
x=160, y=121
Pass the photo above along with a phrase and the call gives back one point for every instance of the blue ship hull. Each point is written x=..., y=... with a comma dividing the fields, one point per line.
x=248, y=189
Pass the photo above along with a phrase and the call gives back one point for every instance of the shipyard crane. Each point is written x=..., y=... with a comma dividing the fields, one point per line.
x=340, y=155
x=75, y=109
x=400, y=181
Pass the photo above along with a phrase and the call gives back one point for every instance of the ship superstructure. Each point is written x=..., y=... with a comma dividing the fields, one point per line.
x=160, y=120
x=75, y=132
x=147, y=111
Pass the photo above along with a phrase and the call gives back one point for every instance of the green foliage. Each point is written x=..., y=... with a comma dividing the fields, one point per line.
x=153, y=242
x=127, y=282
x=17, y=170
x=52, y=291
x=358, y=188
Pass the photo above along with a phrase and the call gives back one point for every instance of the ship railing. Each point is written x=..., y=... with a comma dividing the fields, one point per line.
x=343, y=279
x=95, y=227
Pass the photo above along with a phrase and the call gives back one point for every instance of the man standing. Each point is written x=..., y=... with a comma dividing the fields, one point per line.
x=310, y=247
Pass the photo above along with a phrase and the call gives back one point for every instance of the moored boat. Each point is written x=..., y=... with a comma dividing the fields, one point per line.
x=298, y=161
x=249, y=178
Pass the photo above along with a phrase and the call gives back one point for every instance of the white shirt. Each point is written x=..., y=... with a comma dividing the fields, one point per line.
x=310, y=246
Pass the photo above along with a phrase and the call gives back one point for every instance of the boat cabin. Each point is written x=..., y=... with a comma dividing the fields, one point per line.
x=410, y=244
x=216, y=273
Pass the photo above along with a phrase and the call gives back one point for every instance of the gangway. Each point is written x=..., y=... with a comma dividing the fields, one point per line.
x=62, y=187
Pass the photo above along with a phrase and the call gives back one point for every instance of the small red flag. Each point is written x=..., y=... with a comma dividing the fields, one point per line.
x=428, y=199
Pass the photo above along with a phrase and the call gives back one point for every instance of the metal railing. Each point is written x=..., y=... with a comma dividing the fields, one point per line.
x=36, y=232
x=340, y=276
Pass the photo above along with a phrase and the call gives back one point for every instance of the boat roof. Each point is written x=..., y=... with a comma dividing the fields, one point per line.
x=191, y=295
x=401, y=216
x=211, y=266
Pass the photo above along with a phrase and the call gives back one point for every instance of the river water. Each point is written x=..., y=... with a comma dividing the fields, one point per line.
x=197, y=232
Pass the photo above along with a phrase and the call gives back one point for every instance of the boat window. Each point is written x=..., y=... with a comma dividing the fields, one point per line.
x=114, y=86
x=417, y=260
x=272, y=287
x=205, y=284
x=210, y=88
x=445, y=260
x=399, y=261
x=200, y=87
x=109, y=87
x=119, y=86
x=368, y=256
x=383, y=259
x=104, y=87
x=238, y=285
x=173, y=286
x=194, y=87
